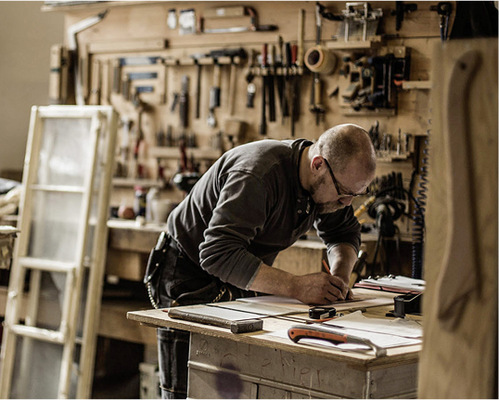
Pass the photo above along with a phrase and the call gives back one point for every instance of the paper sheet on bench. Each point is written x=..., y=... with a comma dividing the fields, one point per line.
x=380, y=339
x=383, y=332
x=294, y=306
x=397, y=327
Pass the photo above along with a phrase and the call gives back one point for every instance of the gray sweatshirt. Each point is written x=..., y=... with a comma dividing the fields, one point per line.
x=248, y=207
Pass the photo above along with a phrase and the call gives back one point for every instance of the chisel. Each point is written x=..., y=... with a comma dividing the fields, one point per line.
x=251, y=88
x=271, y=85
x=184, y=102
x=335, y=336
x=232, y=86
x=263, y=122
x=214, y=94
x=279, y=68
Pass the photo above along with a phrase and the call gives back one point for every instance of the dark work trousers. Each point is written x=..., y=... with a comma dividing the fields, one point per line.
x=176, y=281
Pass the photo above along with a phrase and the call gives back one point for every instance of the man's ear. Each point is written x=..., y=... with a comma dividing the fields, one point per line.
x=317, y=163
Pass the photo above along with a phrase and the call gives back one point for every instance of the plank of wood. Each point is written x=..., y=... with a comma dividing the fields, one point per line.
x=127, y=46
x=462, y=362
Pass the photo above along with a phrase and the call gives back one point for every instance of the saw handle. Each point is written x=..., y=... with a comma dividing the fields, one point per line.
x=295, y=334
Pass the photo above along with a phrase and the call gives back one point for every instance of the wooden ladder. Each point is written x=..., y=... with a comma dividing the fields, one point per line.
x=62, y=242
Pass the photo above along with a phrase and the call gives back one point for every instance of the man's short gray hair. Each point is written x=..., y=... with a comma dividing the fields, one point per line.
x=343, y=143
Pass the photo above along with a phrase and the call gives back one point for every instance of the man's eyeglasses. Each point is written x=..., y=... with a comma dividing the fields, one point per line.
x=337, y=186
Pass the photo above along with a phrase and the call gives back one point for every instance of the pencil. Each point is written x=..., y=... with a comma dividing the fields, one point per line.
x=324, y=263
x=326, y=267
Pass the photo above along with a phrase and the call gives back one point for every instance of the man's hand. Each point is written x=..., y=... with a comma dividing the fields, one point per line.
x=314, y=289
x=319, y=288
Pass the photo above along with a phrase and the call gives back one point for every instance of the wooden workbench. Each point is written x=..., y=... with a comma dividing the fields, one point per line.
x=258, y=365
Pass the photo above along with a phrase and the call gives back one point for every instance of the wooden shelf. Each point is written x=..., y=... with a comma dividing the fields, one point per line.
x=174, y=152
x=354, y=44
x=393, y=157
x=422, y=85
x=127, y=182
x=382, y=112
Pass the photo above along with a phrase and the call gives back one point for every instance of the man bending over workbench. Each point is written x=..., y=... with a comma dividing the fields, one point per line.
x=256, y=200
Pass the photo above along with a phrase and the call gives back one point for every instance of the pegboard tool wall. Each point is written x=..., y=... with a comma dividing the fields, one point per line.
x=136, y=29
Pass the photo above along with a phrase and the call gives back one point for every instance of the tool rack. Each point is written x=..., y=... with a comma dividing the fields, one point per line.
x=185, y=71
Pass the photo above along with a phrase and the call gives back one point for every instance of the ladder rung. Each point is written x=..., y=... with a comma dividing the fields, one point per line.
x=46, y=265
x=34, y=332
x=58, y=188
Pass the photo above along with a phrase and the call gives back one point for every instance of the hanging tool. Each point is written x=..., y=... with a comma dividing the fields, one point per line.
x=196, y=58
x=250, y=75
x=329, y=15
x=287, y=77
x=360, y=15
x=58, y=74
x=96, y=83
x=279, y=68
x=317, y=107
x=237, y=11
x=73, y=30
x=400, y=10
x=264, y=72
x=185, y=178
x=331, y=334
x=116, y=76
x=215, y=89
x=214, y=94
x=297, y=70
x=295, y=94
x=444, y=10
x=271, y=84
x=291, y=54
x=184, y=102
x=235, y=55
x=299, y=55
x=316, y=92
x=318, y=58
x=232, y=86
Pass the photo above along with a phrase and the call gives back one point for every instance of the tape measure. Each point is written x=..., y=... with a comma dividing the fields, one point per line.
x=321, y=312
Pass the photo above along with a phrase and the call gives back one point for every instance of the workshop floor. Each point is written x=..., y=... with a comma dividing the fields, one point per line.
x=123, y=387
x=117, y=374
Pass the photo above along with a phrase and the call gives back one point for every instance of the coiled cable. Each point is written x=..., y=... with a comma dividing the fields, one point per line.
x=418, y=217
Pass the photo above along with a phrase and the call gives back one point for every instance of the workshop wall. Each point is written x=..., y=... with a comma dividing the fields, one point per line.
x=26, y=34
x=157, y=102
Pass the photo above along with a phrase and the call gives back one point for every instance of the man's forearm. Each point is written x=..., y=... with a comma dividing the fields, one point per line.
x=273, y=281
x=342, y=259
x=317, y=288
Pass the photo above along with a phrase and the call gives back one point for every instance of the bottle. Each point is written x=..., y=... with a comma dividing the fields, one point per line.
x=140, y=202
x=152, y=195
